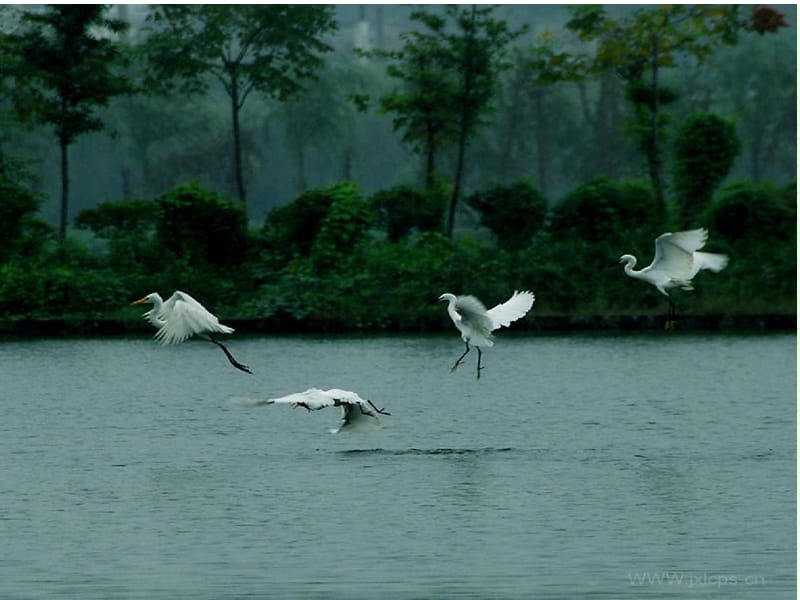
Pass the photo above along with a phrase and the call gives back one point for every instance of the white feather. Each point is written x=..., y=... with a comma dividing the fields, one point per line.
x=676, y=261
x=476, y=324
x=358, y=414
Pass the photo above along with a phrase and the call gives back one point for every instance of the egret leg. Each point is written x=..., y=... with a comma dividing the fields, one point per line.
x=479, y=363
x=232, y=360
x=671, y=321
x=380, y=411
x=461, y=358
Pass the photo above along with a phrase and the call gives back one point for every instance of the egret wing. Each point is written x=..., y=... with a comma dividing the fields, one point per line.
x=512, y=309
x=690, y=241
x=672, y=256
x=358, y=417
x=474, y=314
x=184, y=317
x=710, y=261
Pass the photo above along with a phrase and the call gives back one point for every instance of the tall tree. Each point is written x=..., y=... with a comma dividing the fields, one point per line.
x=421, y=103
x=66, y=64
x=638, y=46
x=450, y=71
x=245, y=47
x=322, y=118
x=475, y=46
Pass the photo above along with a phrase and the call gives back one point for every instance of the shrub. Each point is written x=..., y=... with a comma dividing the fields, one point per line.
x=343, y=226
x=747, y=211
x=201, y=226
x=705, y=149
x=290, y=230
x=514, y=213
x=402, y=209
x=601, y=209
x=17, y=204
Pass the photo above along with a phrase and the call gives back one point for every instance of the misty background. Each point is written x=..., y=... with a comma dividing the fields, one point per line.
x=151, y=143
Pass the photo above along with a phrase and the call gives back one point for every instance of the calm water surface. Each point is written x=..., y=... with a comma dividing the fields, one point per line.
x=577, y=467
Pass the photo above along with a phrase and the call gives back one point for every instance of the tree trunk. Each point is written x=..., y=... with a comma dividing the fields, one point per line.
x=347, y=163
x=300, y=174
x=756, y=148
x=541, y=133
x=451, y=214
x=237, y=142
x=62, y=225
x=464, y=124
x=430, y=161
x=654, y=154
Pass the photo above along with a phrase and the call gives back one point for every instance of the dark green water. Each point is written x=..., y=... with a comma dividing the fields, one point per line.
x=577, y=467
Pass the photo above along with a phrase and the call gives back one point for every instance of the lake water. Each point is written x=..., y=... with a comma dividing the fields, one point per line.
x=639, y=466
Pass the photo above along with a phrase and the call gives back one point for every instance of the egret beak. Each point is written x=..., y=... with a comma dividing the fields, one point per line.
x=139, y=301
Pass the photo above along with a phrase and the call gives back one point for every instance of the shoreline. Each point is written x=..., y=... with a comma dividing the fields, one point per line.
x=723, y=323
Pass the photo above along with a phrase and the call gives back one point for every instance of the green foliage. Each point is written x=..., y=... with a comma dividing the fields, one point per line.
x=402, y=209
x=62, y=280
x=422, y=104
x=64, y=71
x=17, y=204
x=705, y=149
x=111, y=220
x=514, y=213
x=343, y=226
x=638, y=46
x=245, y=47
x=201, y=227
x=601, y=210
x=290, y=230
x=268, y=48
x=129, y=229
x=753, y=214
x=449, y=72
x=382, y=285
x=755, y=224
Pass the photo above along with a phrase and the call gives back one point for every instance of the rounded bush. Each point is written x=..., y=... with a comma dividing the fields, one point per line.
x=514, y=213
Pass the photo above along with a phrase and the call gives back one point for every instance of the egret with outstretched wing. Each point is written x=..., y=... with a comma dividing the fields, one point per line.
x=476, y=323
x=675, y=264
x=358, y=414
x=181, y=317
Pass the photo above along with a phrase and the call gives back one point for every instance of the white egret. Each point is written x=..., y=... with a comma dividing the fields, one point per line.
x=476, y=324
x=675, y=264
x=358, y=414
x=181, y=317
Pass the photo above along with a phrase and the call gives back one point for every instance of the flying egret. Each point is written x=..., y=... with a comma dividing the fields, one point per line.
x=675, y=264
x=358, y=414
x=181, y=317
x=476, y=324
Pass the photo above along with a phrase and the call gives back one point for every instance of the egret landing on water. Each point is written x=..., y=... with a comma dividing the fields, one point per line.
x=476, y=324
x=675, y=264
x=358, y=414
x=181, y=317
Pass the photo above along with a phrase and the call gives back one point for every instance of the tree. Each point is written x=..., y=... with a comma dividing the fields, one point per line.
x=246, y=48
x=18, y=204
x=201, y=227
x=640, y=45
x=514, y=213
x=401, y=209
x=475, y=52
x=754, y=82
x=421, y=103
x=65, y=63
x=323, y=116
x=705, y=149
x=451, y=70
